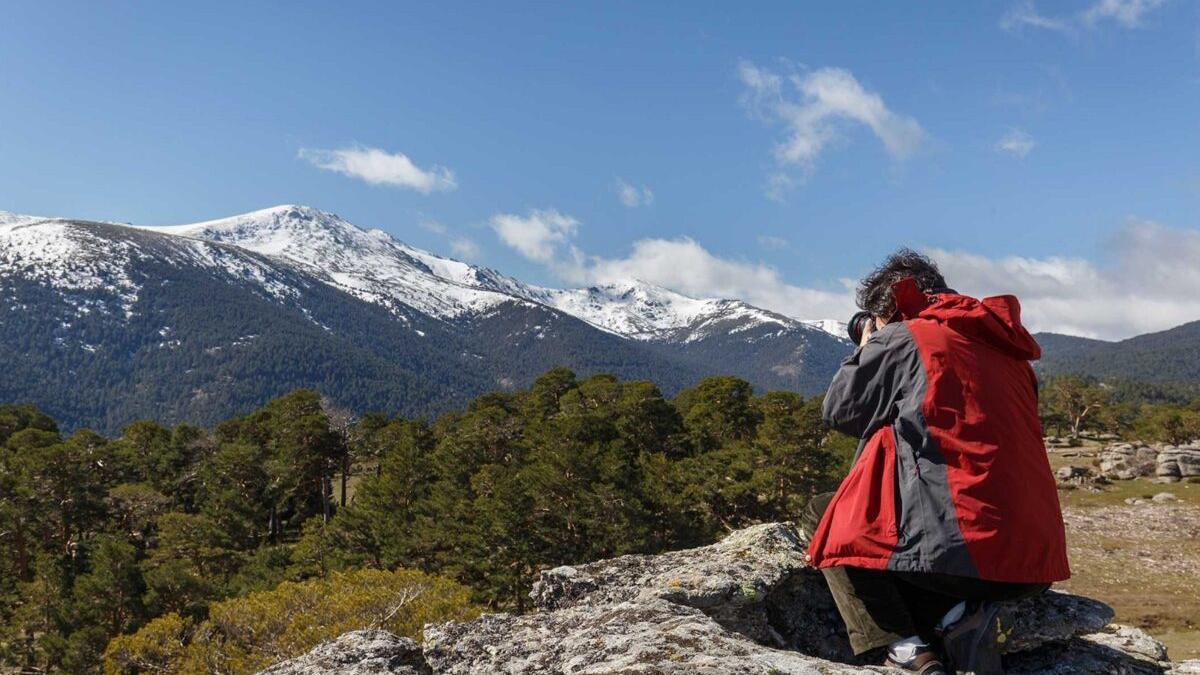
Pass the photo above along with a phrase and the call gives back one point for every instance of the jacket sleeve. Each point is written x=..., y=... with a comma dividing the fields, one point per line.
x=865, y=390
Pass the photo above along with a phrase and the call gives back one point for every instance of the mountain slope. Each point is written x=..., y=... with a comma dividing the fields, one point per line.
x=1166, y=357
x=102, y=324
x=708, y=335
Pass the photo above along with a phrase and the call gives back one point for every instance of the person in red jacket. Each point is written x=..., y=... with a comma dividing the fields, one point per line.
x=950, y=505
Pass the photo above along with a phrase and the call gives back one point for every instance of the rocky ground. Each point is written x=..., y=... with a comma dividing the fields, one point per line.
x=748, y=604
x=1133, y=528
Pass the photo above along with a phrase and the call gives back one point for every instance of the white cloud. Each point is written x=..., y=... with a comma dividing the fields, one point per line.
x=379, y=167
x=465, y=248
x=812, y=105
x=537, y=236
x=1016, y=142
x=1152, y=284
x=1024, y=15
x=685, y=266
x=682, y=265
x=633, y=196
x=1125, y=13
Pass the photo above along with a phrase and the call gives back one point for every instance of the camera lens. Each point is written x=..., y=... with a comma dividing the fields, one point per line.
x=856, y=326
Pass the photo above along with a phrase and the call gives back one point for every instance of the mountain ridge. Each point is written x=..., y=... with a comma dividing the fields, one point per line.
x=156, y=319
x=198, y=322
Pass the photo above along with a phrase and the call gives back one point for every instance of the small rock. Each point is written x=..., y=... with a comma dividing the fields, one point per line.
x=1069, y=474
x=1164, y=497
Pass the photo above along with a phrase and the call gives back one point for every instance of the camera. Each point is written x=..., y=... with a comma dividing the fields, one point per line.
x=858, y=323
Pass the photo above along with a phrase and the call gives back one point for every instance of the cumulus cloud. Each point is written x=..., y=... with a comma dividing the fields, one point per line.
x=681, y=264
x=1124, y=13
x=379, y=167
x=537, y=236
x=633, y=196
x=685, y=266
x=813, y=105
x=1015, y=142
x=1148, y=282
x=1151, y=284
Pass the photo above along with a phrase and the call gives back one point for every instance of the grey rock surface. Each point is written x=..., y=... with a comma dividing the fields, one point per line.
x=1125, y=461
x=1183, y=462
x=746, y=605
x=360, y=652
x=649, y=635
x=1131, y=640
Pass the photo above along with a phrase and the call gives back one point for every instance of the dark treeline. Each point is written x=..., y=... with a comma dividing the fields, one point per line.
x=100, y=537
x=186, y=545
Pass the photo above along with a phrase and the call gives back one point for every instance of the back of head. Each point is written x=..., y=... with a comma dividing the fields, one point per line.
x=875, y=290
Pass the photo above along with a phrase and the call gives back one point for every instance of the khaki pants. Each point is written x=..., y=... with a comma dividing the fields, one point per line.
x=883, y=606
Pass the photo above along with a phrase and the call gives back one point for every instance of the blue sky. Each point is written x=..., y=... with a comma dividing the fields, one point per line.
x=770, y=150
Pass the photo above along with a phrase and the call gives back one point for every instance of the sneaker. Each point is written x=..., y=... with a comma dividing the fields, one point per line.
x=971, y=643
x=924, y=663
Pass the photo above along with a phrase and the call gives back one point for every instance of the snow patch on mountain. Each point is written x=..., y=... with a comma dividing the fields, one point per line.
x=832, y=326
x=64, y=256
x=10, y=218
x=368, y=264
x=79, y=257
x=644, y=311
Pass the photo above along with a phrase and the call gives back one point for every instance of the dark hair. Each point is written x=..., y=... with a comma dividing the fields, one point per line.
x=875, y=292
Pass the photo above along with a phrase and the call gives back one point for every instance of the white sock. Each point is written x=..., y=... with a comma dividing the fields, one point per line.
x=952, y=617
x=904, y=651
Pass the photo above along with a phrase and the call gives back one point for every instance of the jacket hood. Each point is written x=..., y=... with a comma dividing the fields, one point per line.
x=995, y=321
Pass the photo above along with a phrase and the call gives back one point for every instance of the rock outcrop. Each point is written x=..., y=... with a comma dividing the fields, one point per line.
x=360, y=652
x=746, y=605
x=1125, y=461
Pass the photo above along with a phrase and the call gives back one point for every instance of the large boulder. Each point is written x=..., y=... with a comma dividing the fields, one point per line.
x=1126, y=461
x=746, y=605
x=1182, y=462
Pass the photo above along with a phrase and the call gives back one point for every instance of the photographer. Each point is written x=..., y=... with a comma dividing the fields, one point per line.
x=950, y=505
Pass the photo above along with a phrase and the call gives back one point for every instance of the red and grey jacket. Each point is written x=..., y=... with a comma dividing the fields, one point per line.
x=951, y=475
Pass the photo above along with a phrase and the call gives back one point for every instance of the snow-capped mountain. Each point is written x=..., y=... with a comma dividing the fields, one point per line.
x=832, y=326
x=368, y=264
x=101, y=323
x=378, y=268
x=75, y=257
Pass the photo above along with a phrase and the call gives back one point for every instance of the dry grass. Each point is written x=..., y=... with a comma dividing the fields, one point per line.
x=1142, y=559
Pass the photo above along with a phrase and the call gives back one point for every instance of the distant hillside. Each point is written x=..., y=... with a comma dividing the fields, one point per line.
x=1169, y=358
